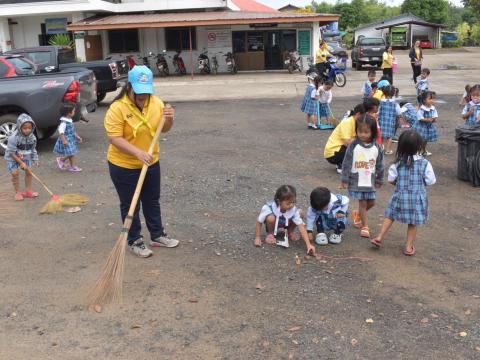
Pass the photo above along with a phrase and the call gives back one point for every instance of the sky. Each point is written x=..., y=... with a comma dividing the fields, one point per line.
x=279, y=3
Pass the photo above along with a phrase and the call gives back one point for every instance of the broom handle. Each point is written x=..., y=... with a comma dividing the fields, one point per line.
x=39, y=180
x=128, y=220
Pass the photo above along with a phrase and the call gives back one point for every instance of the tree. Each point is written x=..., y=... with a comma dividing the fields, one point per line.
x=435, y=11
x=474, y=5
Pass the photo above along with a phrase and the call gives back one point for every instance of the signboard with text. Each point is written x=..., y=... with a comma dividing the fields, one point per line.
x=56, y=26
x=219, y=38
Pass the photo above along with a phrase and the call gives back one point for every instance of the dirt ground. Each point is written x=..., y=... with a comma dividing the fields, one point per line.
x=216, y=296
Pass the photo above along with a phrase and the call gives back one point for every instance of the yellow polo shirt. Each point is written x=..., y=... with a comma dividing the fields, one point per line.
x=379, y=94
x=321, y=55
x=387, y=60
x=344, y=131
x=124, y=119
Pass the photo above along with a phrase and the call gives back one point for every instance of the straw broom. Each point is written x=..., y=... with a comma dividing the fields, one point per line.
x=57, y=202
x=109, y=285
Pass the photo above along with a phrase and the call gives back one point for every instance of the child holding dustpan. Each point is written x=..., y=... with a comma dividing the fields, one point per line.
x=131, y=123
x=21, y=153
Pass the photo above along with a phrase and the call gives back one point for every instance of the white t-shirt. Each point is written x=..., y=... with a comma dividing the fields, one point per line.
x=324, y=96
x=293, y=214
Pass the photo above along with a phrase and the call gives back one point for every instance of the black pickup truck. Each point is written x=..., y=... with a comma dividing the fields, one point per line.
x=368, y=51
x=109, y=73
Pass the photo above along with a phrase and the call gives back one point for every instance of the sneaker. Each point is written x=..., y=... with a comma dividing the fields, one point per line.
x=139, y=249
x=314, y=127
x=335, y=239
x=321, y=239
x=339, y=170
x=164, y=241
x=428, y=153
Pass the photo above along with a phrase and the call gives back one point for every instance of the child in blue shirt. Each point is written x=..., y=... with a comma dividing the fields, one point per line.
x=367, y=87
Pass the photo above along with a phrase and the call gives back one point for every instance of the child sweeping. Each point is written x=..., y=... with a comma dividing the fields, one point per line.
x=410, y=174
x=327, y=211
x=281, y=217
x=362, y=171
x=21, y=153
x=324, y=98
x=66, y=145
x=309, y=103
x=387, y=117
x=426, y=120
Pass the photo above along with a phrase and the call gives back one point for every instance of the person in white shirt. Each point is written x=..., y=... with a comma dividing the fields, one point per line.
x=324, y=97
x=281, y=217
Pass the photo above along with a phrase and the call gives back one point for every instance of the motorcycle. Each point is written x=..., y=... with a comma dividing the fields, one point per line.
x=335, y=74
x=162, y=65
x=179, y=64
x=293, y=62
x=231, y=65
x=204, y=63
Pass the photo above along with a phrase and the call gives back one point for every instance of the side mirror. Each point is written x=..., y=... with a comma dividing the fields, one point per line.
x=49, y=68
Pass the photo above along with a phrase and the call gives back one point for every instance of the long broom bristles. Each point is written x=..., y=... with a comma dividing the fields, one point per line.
x=57, y=203
x=109, y=285
x=52, y=207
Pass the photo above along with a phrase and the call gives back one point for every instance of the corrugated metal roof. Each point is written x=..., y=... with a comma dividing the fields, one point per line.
x=126, y=21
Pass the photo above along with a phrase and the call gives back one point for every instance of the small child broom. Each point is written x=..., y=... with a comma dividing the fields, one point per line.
x=108, y=287
x=57, y=202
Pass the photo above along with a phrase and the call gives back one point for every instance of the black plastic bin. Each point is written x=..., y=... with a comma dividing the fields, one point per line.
x=468, y=139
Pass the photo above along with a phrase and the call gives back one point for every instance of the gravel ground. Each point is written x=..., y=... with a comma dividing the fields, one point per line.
x=217, y=296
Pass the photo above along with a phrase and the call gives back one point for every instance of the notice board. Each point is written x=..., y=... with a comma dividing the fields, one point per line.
x=304, y=42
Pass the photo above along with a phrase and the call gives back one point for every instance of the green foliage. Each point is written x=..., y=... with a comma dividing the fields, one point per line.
x=473, y=5
x=61, y=40
x=436, y=11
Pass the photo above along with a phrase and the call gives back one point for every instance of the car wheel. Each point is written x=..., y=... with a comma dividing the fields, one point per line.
x=8, y=124
x=100, y=97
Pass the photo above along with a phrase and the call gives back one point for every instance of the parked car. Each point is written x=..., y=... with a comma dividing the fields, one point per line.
x=368, y=50
x=15, y=65
x=109, y=73
x=40, y=96
x=425, y=44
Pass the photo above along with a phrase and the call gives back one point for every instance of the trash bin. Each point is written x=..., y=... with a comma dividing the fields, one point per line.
x=468, y=167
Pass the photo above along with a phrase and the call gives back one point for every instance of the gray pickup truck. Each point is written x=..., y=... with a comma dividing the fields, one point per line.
x=368, y=50
x=40, y=96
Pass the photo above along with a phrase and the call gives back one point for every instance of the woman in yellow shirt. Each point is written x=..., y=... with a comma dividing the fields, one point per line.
x=321, y=59
x=130, y=123
x=387, y=64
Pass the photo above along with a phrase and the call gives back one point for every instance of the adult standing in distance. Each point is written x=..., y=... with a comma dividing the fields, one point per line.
x=131, y=123
x=387, y=63
x=416, y=58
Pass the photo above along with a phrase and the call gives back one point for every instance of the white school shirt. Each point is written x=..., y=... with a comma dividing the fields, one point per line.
x=312, y=214
x=422, y=108
x=324, y=96
x=430, y=178
x=292, y=214
x=63, y=126
x=468, y=106
x=313, y=94
x=398, y=110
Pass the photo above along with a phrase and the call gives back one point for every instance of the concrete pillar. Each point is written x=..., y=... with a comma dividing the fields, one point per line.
x=5, y=39
x=315, y=39
x=79, y=37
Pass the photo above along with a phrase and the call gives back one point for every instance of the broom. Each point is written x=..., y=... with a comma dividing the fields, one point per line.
x=57, y=202
x=108, y=287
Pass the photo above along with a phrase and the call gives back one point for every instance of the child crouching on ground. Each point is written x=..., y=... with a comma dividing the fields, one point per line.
x=281, y=217
x=328, y=212
x=21, y=153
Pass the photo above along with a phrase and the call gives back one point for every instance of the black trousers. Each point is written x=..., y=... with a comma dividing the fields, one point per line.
x=125, y=181
x=337, y=158
x=389, y=73
x=417, y=69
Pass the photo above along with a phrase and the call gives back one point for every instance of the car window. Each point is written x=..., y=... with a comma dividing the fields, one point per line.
x=371, y=42
x=66, y=56
x=21, y=66
x=40, y=58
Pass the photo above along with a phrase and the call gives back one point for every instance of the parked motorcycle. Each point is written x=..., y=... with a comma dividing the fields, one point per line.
x=179, y=64
x=231, y=65
x=312, y=69
x=162, y=65
x=293, y=62
x=335, y=74
x=204, y=63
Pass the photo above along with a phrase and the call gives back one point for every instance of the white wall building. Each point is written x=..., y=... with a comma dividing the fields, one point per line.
x=258, y=36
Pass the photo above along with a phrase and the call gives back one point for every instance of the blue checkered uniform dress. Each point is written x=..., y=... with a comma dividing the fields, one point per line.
x=472, y=119
x=71, y=148
x=411, y=114
x=428, y=131
x=409, y=202
x=387, y=118
x=309, y=106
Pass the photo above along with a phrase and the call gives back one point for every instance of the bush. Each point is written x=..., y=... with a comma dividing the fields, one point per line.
x=451, y=44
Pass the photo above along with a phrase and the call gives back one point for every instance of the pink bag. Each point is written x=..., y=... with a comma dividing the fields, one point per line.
x=394, y=67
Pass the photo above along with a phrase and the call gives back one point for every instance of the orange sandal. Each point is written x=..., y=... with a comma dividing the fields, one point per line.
x=365, y=232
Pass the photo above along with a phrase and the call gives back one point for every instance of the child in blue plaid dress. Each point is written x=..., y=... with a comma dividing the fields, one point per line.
x=471, y=111
x=66, y=145
x=426, y=118
x=409, y=113
x=310, y=103
x=362, y=171
x=422, y=84
x=324, y=98
x=410, y=174
x=387, y=117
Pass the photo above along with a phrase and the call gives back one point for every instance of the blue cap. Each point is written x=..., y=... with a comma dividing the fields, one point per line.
x=382, y=84
x=141, y=78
